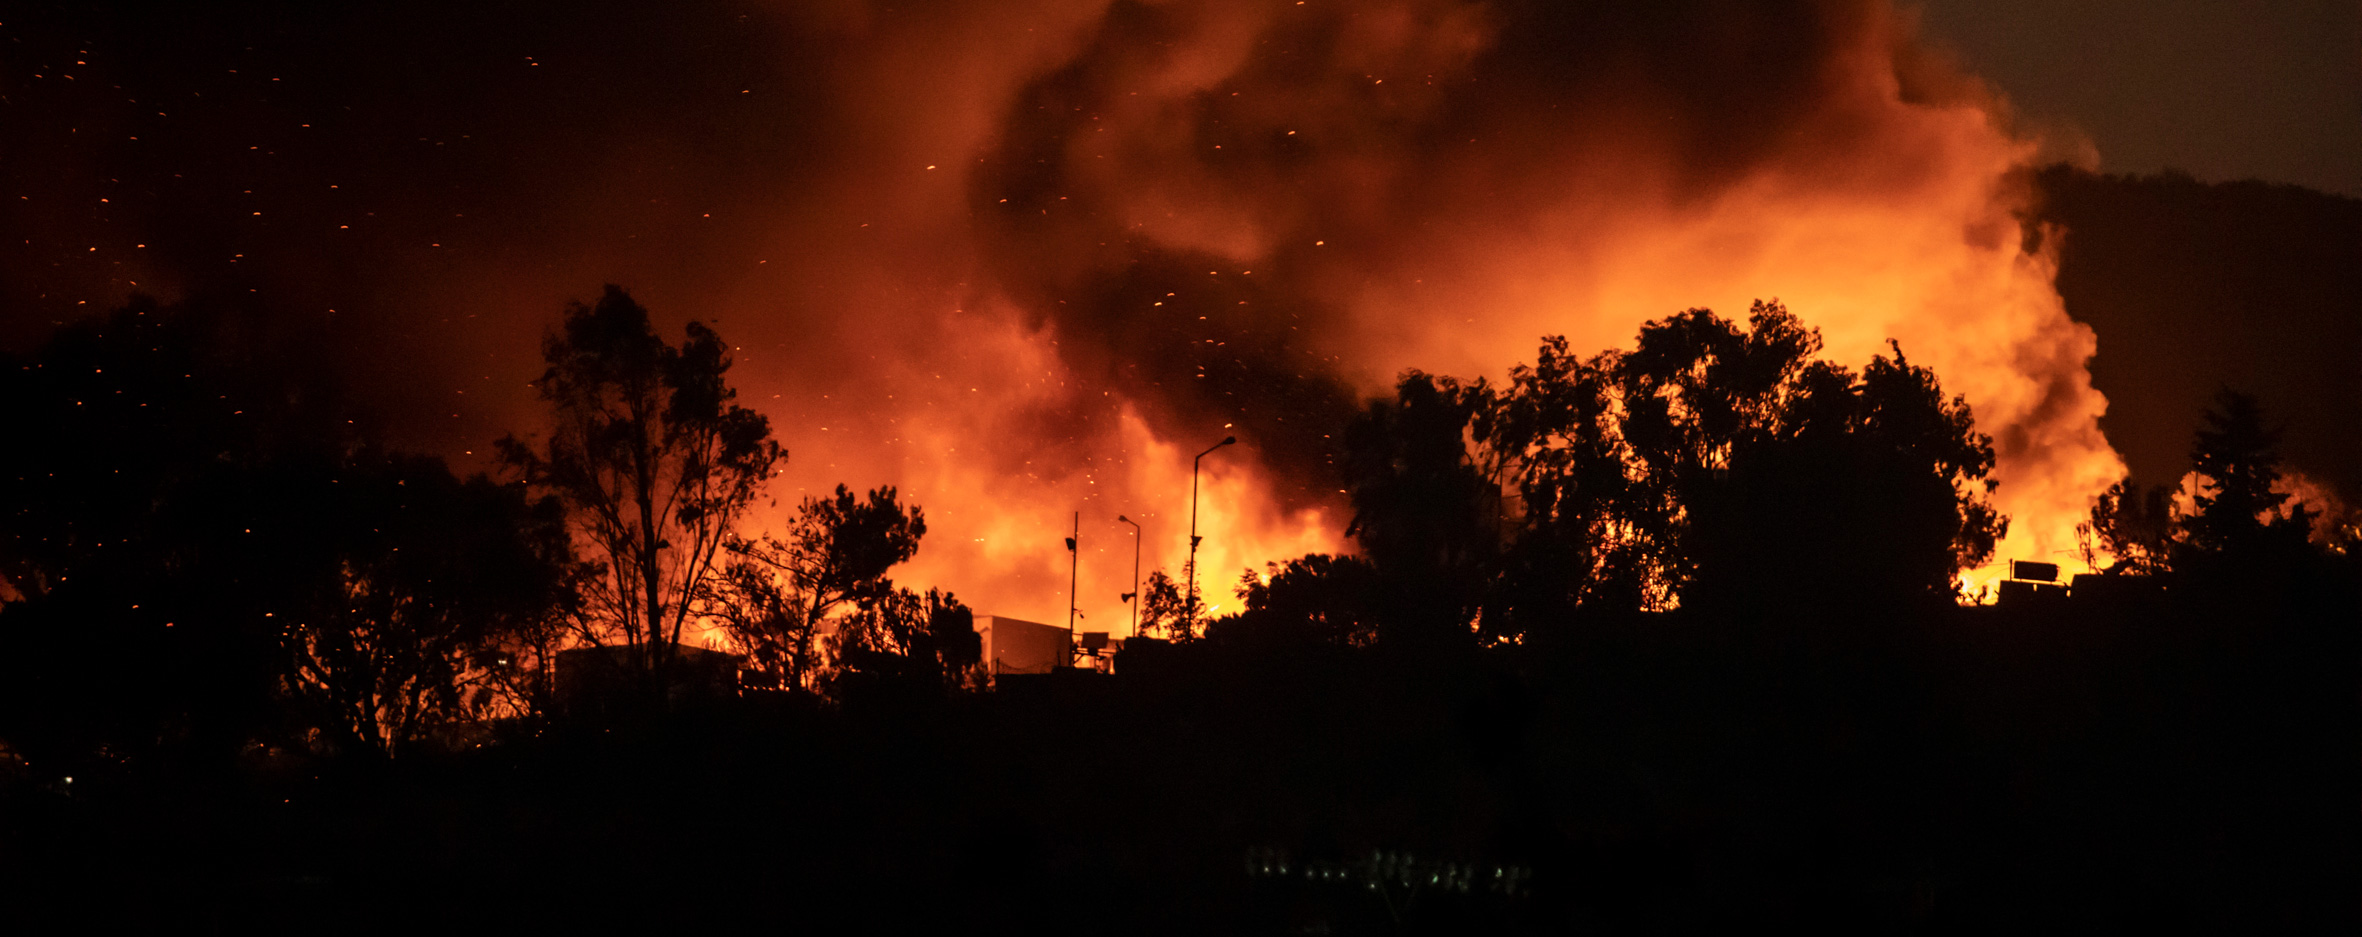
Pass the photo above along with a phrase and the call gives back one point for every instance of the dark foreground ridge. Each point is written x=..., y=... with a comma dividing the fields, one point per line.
x=2116, y=761
x=1667, y=639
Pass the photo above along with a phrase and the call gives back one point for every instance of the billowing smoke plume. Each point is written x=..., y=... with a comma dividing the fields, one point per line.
x=1026, y=258
x=1253, y=213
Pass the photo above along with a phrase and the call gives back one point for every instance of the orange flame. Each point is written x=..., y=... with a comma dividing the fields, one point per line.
x=1340, y=154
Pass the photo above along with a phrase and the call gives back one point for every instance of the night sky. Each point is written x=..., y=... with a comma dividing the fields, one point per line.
x=1024, y=261
x=351, y=168
x=423, y=185
x=2223, y=91
x=462, y=124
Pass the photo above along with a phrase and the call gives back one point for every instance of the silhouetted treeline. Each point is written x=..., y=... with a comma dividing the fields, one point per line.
x=1721, y=470
x=205, y=549
x=1663, y=639
x=1716, y=465
x=2136, y=762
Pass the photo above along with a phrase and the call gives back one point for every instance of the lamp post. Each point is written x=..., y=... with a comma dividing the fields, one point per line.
x=1134, y=595
x=1189, y=623
x=1074, y=572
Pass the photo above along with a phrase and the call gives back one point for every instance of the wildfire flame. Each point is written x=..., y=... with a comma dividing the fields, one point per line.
x=989, y=299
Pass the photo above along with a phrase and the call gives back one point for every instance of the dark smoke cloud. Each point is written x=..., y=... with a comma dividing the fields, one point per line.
x=443, y=176
x=899, y=211
x=1324, y=145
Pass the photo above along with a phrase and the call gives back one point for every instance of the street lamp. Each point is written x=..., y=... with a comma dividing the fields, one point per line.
x=1190, y=622
x=1134, y=595
x=1074, y=574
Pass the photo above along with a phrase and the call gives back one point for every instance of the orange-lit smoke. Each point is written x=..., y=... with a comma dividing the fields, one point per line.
x=992, y=436
x=2331, y=515
x=1058, y=248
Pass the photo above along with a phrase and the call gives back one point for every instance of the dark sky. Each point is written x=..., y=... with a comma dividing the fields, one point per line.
x=2266, y=90
x=393, y=172
x=854, y=191
x=538, y=146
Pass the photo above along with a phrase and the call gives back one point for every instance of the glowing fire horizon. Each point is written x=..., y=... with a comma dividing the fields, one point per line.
x=1085, y=240
x=1024, y=258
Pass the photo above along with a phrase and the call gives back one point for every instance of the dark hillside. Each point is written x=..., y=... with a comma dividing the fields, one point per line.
x=2194, y=286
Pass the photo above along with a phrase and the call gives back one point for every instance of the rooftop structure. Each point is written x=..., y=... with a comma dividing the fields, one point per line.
x=1016, y=646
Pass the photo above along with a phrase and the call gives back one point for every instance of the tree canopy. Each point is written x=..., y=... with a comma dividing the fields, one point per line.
x=779, y=597
x=1715, y=463
x=423, y=582
x=2239, y=511
x=208, y=549
x=653, y=458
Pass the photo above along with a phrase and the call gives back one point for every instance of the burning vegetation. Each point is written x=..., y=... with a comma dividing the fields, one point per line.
x=1525, y=557
x=1010, y=260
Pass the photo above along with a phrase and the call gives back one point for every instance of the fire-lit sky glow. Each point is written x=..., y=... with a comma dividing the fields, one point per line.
x=1025, y=257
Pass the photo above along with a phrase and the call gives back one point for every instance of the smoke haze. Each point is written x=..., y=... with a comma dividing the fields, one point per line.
x=1027, y=259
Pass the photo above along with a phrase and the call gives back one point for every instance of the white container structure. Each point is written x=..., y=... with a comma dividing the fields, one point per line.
x=1016, y=646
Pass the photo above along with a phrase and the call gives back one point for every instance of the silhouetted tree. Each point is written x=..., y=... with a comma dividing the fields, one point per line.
x=950, y=643
x=1879, y=481
x=207, y=551
x=2237, y=508
x=2134, y=526
x=654, y=461
x=423, y=581
x=1712, y=462
x=763, y=614
x=1553, y=436
x=1769, y=472
x=1424, y=513
x=778, y=596
x=906, y=639
x=1696, y=390
x=2239, y=511
x=1720, y=459
x=1164, y=608
x=519, y=664
x=1310, y=599
x=148, y=524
